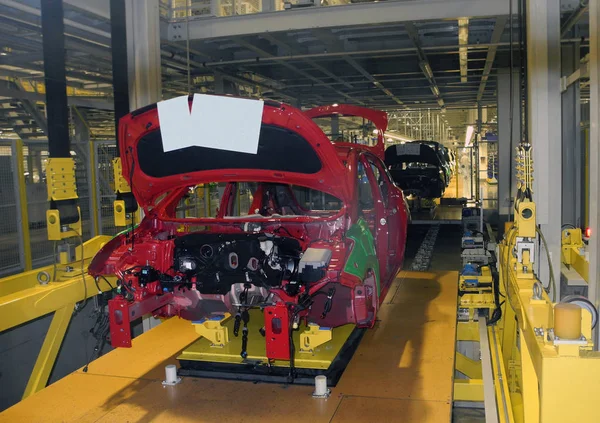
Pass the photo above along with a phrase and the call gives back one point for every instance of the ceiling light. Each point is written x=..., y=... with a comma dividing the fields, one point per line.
x=469, y=135
x=426, y=69
x=463, y=41
x=435, y=90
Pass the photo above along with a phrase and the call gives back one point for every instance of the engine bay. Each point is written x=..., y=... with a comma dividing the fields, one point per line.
x=214, y=262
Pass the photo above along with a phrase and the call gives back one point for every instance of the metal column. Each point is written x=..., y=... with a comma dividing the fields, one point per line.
x=143, y=64
x=594, y=160
x=143, y=52
x=507, y=180
x=572, y=160
x=55, y=79
x=544, y=124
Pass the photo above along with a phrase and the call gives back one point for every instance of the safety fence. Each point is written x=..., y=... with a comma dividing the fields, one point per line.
x=24, y=242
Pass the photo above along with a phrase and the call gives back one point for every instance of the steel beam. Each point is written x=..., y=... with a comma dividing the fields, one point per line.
x=262, y=53
x=91, y=102
x=544, y=125
x=594, y=159
x=575, y=17
x=67, y=22
x=311, y=62
x=413, y=34
x=330, y=17
x=50, y=348
x=94, y=7
x=491, y=55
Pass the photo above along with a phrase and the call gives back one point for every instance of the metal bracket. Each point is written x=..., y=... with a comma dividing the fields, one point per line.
x=213, y=330
x=61, y=186
x=314, y=337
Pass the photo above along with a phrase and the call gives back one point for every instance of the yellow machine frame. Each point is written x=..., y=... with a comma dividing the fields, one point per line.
x=33, y=294
x=537, y=377
x=573, y=252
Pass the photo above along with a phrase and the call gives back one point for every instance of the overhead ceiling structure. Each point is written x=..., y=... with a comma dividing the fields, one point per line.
x=360, y=54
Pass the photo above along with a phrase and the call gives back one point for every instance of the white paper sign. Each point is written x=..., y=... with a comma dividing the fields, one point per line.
x=408, y=149
x=224, y=123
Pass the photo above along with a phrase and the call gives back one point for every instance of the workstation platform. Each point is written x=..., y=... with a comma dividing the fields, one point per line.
x=404, y=366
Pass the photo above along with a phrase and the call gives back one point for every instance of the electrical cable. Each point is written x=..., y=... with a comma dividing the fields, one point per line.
x=552, y=284
x=511, y=235
x=112, y=288
x=85, y=292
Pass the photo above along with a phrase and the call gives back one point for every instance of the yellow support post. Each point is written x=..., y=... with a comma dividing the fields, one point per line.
x=48, y=353
x=26, y=240
x=468, y=367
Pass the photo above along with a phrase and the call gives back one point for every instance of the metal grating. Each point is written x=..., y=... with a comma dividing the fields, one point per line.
x=106, y=151
x=10, y=261
x=34, y=162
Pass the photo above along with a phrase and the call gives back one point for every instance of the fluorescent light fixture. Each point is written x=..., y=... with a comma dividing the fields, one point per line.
x=440, y=102
x=426, y=69
x=463, y=41
x=435, y=90
x=469, y=136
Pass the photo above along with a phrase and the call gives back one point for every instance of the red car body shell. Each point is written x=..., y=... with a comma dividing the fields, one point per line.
x=337, y=176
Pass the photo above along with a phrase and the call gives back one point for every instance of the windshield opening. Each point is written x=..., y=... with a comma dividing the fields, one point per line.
x=260, y=200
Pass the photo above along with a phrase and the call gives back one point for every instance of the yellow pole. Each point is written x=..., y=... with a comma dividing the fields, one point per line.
x=94, y=193
x=586, y=179
x=26, y=239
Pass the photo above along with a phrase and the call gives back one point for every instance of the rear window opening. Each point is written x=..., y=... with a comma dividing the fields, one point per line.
x=348, y=129
x=277, y=148
x=253, y=200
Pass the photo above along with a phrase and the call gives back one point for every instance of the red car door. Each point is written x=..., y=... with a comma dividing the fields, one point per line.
x=393, y=214
x=380, y=217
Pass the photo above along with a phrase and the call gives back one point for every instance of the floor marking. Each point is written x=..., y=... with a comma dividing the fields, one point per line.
x=423, y=257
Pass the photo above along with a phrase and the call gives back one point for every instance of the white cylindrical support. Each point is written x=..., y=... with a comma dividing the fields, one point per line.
x=321, y=390
x=171, y=377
